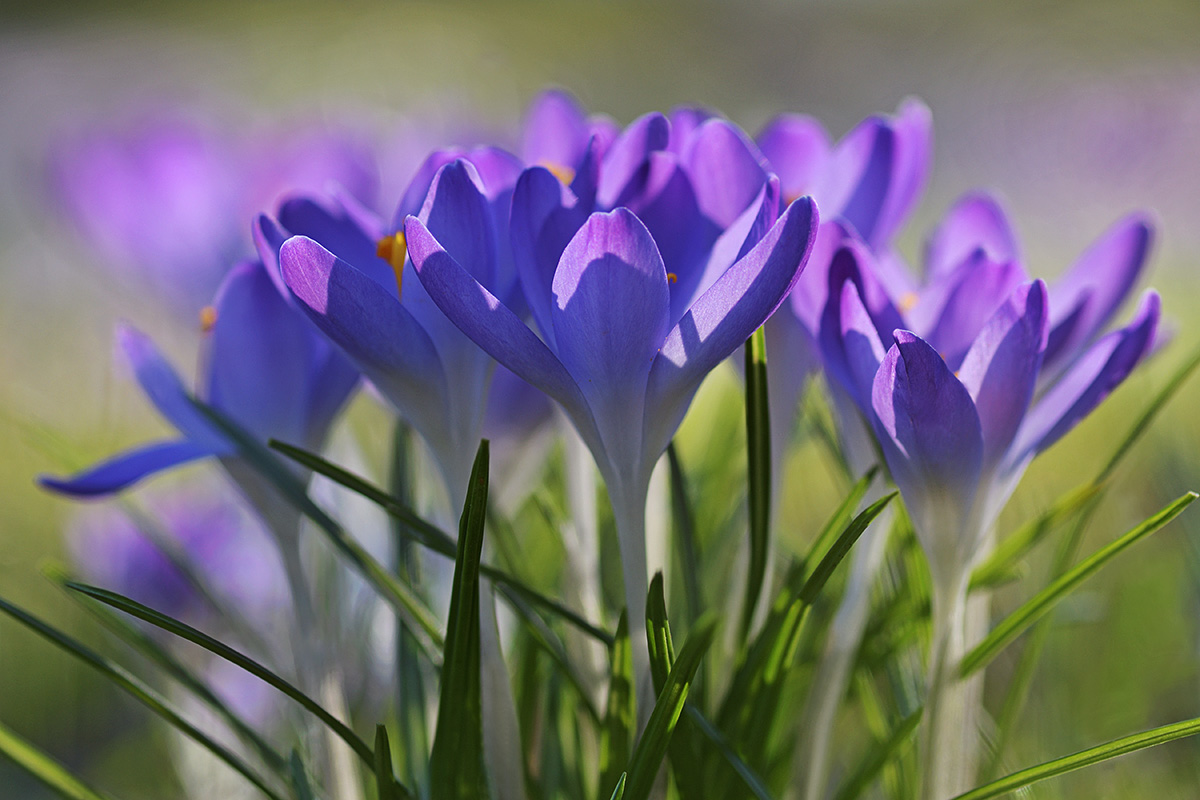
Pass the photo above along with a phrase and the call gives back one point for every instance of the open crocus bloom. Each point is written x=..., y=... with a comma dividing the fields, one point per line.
x=265, y=368
x=960, y=412
x=621, y=364
x=365, y=299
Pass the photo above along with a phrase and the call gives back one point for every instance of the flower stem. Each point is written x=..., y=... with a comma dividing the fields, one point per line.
x=948, y=724
x=629, y=513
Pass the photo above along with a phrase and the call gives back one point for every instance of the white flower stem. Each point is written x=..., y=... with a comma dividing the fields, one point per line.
x=948, y=722
x=582, y=539
x=629, y=513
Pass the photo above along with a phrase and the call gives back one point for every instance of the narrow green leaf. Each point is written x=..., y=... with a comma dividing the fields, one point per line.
x=652, y=746
x=618, y=730
x=430, y=536
x=1003, y=559
x=411, y=700
x=658, y=633
x=817, y=580
x=293, y=490
x=877, y=757
x=1017, y=622
x=44, y=768
x=299, y=778
x=683, y=519
x=1084, y=758
x=619, y=792
x=456, y=770
x=140, y=692
x=840, y=518
x=758, y=453
x=235, y=657
x=749, y=777
x=385, y=777
x=156, y=653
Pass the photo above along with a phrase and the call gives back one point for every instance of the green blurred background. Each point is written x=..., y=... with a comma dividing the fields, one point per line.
x=1075, y=112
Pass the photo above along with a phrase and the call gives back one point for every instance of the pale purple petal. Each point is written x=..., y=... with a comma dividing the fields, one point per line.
x=165, y=390
x=556, y=131
x=492, y=326
x=126, y=469
x=373, y=329
x=723, y=318
x=1001, y=368
x=623, y=171
x=725, y=169
x=610, y=318
x=798, y=150
x=975, y=222
x=962, y=301
x=1084, y=300
x=1091, y=379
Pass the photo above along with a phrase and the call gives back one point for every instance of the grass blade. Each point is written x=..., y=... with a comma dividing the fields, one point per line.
x=156, y=653
x=652, y=746
x=618, y=729
x=456, y=770
x=299, y=778
x=235, y=657
x=684, y=520
x=838, y=550
x=753, y=781
x=840, y=518
x=1084, y=758
x=140, y=692
x=877, y=757
x=385, y=778
x=44, y=768
x=758, y=454
x=1037, y=606
x=432, y=537
x=619, y=792
x=399, y=596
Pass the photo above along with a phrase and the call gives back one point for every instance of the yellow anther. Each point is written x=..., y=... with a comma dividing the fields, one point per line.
x=907, y=302
x=394, y=249
x=208, y=318
x=564, y=173
x=672, y=277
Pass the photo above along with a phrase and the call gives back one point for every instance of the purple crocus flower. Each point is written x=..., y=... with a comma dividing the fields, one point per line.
x=967, y=396
x=264, y=367
x=617, y=357
x=355, y=283
x=165, y=203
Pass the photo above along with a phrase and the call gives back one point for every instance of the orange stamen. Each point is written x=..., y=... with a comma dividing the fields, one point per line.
x=394, y=250
x=208, y=318
x=564, y=173
x=672, y=277
x=907, y=302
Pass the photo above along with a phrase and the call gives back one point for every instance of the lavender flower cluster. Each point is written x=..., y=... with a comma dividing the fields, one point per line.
x=611, y=269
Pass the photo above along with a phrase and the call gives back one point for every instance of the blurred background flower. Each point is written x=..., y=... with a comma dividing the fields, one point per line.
x=1075, y=113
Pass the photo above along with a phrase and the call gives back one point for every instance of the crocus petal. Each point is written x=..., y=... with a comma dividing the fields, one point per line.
x=1086, y=297
x=862, y=349
x=860, y=176
x=625, y=163
x=268, y=368
x=545, y=215
x=341, y=233
x=162, y=386
x=724, y=317
x=913, y=128
x=1001, y=368
x=127, y=469
x=684, y=122
x=556, y=131
x=975, y=222
x=610, y=317
x=725, y=170
x=951, y=312
x=798, y=149
x=931, y=437
x=492, y=326
x=1092, y=378
x=373, y=329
